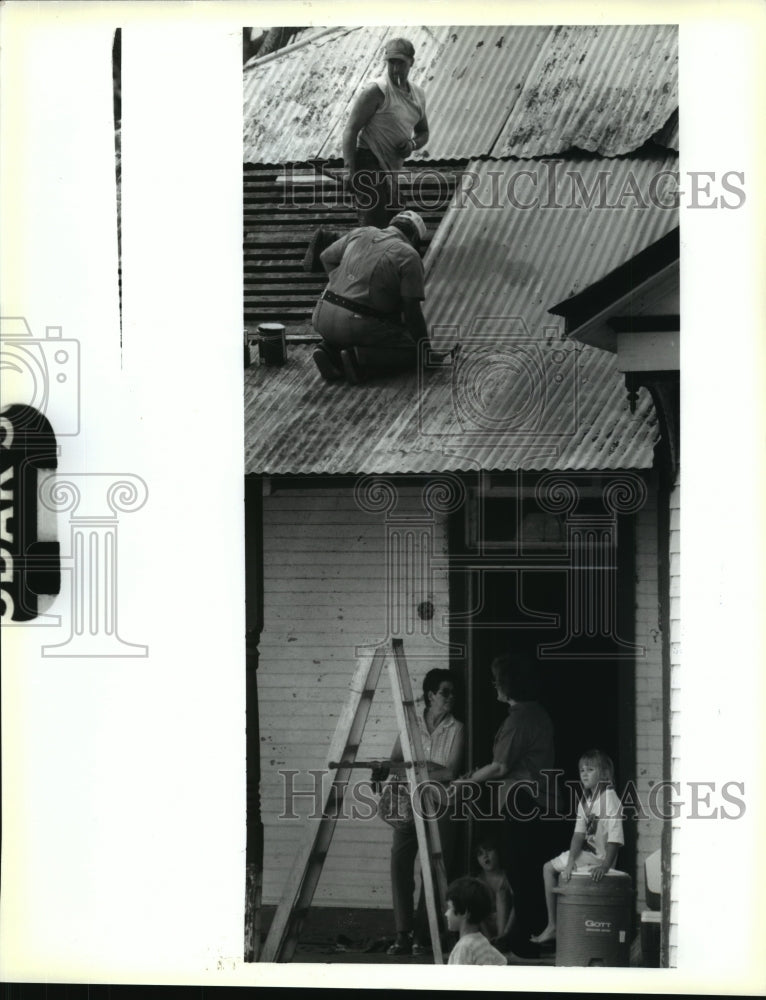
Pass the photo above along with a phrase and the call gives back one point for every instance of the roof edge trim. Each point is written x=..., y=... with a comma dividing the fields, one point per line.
x=271, y=56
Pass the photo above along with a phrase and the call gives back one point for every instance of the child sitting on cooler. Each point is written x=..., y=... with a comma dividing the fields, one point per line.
x=468, y=904
x=498, y=924
x=597, y=835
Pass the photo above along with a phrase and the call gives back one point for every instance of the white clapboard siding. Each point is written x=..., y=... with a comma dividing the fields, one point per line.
x=326, y=593
x=649, y=706
x=675, y=686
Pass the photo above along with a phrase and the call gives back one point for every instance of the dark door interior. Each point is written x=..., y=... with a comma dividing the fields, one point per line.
x=590, y=698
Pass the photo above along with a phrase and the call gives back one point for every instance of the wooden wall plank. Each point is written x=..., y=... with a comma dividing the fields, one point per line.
x=324, y=595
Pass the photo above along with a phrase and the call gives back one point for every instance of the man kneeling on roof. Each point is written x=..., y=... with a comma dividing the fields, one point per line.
x=369, y=315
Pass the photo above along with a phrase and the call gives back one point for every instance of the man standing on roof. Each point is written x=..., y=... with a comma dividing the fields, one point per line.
x=386, y=125
x=369, y=314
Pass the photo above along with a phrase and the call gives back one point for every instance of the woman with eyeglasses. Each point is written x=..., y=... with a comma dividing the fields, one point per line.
x=443, y=740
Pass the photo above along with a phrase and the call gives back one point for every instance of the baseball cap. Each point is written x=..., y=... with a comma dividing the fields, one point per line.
x=415, y=220
x=397, y=48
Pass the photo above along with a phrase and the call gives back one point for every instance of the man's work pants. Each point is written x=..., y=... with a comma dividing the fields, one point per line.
x=376, y=194
x=382, y=347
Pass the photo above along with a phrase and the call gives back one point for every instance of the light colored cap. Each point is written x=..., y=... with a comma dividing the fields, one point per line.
x=415, y=220
x=398, y=48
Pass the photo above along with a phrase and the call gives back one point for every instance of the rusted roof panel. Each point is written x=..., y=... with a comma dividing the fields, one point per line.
x=503, y=91
x=586, y=216
x=293, y=99
x=524, y=407
x=605, y=89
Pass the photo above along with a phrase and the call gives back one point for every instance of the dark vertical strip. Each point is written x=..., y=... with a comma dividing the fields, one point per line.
x=254, y=626
x=626, y=692
x=666, y=398
x=117, y=110
x=663, y=569
x=459, y=635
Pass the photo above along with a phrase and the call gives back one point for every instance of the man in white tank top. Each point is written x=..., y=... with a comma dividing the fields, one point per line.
x=387, y=123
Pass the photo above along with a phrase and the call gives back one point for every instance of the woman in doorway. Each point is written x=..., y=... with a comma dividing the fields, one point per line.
x=522, y=754
x=443, y=739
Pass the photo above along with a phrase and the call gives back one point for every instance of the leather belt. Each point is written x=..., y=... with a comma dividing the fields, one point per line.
x=356, y=307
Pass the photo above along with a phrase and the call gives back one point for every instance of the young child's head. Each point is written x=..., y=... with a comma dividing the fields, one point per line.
x=488, y=854
x=596, y=770
x=468, y=901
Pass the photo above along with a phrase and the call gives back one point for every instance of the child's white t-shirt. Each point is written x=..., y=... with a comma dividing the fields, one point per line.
x=474, y=949
x=605, y=822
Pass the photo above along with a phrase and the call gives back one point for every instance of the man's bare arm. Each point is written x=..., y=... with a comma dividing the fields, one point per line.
x=414, y=319
x=421, y=133
x=362, y=110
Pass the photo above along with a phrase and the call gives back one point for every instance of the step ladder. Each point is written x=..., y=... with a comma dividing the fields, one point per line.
x=284, y=932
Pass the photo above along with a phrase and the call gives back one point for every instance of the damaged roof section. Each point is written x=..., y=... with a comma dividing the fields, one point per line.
x=519, y=395
x=519, y=91
x=601, y=89
x=283, y=206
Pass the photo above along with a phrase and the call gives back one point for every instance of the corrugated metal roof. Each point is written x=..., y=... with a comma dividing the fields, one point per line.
x=474, y=86
x=519, y=396
x=296, y=104
x=527, y=407
x=604, y=89
x=292, y=101
x=491, y=259
x=502, y=91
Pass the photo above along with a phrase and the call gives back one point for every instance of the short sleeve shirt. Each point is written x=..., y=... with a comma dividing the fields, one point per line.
x=376, y=267
x=524, y=745
x=601, y=822
x=474, y=949
x=437, y=745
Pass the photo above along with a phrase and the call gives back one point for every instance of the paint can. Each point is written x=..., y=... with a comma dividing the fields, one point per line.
x=593, y=921
x=272, y=344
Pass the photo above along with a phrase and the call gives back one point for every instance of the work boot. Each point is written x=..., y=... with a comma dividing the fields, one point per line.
x=326, y=365
x=351, y=368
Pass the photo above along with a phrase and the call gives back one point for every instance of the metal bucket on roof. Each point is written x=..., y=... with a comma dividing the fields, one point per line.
x=272, y=344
